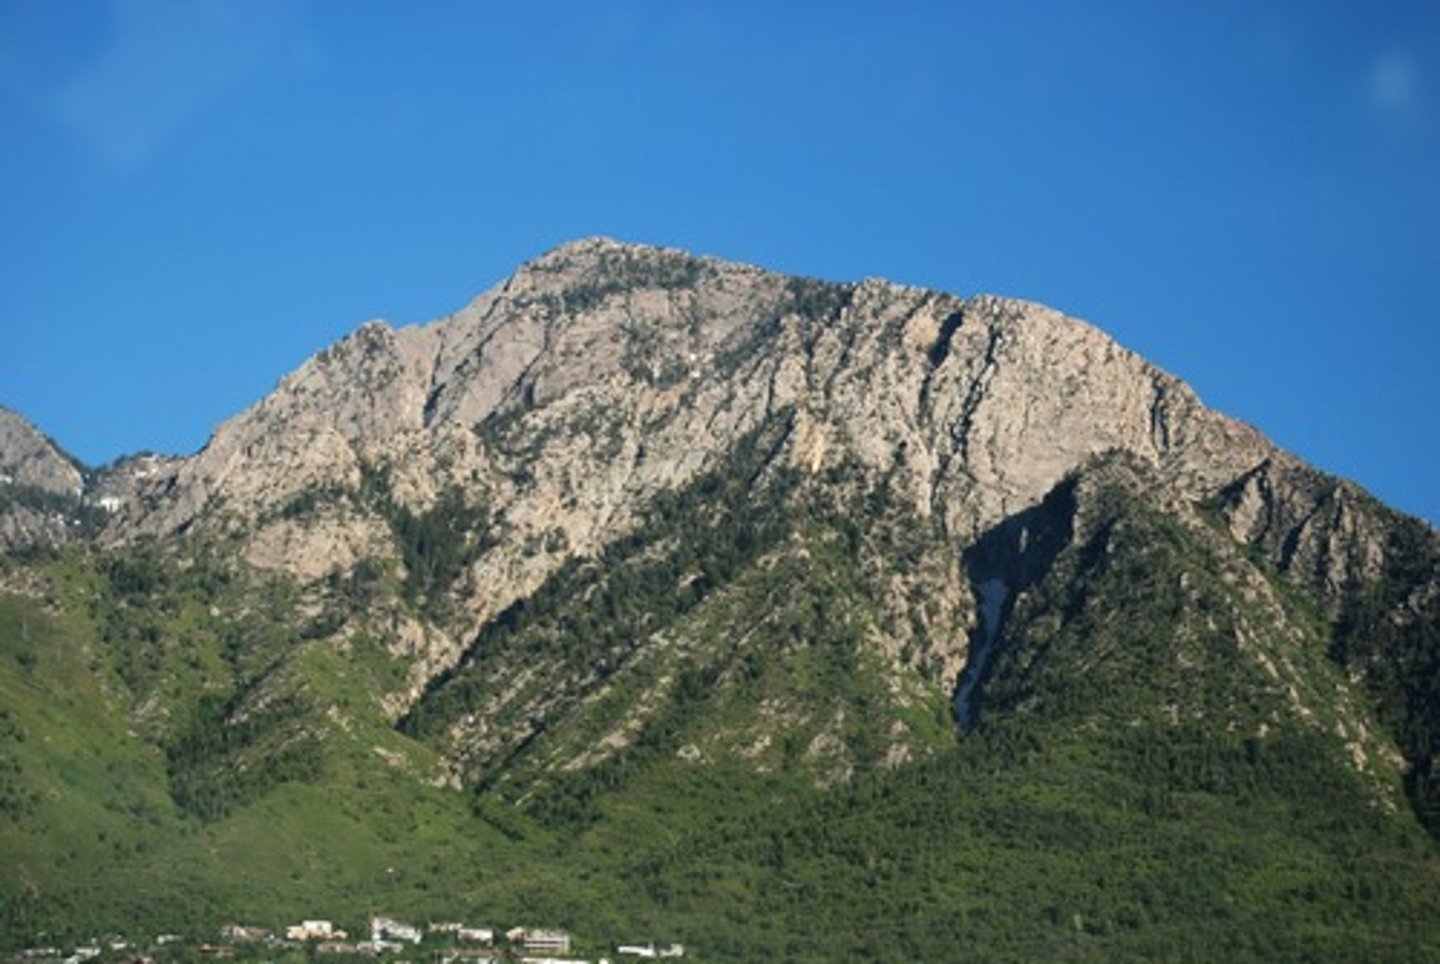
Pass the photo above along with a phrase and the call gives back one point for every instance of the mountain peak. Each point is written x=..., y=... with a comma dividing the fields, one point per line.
x=601, y=350
x=40, y=486
x=591, y=244
x=605, y=261
x=29, y=458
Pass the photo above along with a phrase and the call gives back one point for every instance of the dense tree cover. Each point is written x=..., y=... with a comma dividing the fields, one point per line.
x=231, y=753
x=1026, y=844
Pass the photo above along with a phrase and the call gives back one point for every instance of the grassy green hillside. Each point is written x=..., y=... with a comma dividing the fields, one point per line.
x=104, y=827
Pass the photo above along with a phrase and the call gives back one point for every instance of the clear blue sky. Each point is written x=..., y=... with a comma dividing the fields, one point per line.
x=195, y=195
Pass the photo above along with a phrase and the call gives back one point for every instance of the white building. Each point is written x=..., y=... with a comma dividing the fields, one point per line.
x=244, y=933
x=383, y=929
x=475, y=935
x=652, y=950
x=536, y=941
x=314, y=930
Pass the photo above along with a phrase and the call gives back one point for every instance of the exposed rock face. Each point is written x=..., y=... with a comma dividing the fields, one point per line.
x=601, y=374
x=1325, y=533
x=39, y=486
x=604, y=373
x=981, y=405
x=28, y=458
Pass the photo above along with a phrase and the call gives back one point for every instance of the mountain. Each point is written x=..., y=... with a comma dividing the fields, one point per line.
x=656, y=593
x=40, y=486
x=604, y=374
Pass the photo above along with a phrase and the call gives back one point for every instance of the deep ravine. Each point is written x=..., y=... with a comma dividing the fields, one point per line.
x=993, y=593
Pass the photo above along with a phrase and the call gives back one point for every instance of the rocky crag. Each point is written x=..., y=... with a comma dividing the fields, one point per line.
x=40, y=486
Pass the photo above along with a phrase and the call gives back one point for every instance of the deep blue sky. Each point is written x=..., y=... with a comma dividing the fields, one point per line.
x=195, y=195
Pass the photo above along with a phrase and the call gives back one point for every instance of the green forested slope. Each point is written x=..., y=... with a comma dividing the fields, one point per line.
x=1164, y=763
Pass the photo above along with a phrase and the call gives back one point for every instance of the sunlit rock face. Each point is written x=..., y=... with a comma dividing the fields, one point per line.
x=566, y=397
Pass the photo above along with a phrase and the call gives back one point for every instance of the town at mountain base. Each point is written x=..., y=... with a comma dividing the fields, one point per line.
x=656, y=595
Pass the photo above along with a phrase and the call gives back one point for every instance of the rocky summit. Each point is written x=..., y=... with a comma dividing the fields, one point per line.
x=38, y=482
x=597, y=583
